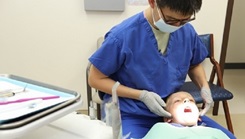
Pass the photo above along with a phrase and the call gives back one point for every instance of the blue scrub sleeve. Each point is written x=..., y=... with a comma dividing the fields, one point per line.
x=200, y=51
x=109, y=57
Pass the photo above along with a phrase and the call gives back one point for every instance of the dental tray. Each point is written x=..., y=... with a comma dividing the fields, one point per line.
x=36, y=105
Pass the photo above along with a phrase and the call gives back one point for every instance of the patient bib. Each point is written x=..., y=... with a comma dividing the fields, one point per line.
x=168, y=131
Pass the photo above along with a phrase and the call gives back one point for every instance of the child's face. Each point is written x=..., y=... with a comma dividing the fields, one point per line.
x=183, y=108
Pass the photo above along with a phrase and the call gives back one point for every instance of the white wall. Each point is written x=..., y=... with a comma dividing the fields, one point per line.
x=236, y=45
x=51, y=40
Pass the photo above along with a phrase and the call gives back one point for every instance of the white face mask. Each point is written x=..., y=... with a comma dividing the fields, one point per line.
x=164, y=27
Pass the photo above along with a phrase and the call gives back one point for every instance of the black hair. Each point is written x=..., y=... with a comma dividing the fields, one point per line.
x=167, y=97
x=185, y=7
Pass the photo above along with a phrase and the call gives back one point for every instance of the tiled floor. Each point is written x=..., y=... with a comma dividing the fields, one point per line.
x=234, y=80
x=237, y=121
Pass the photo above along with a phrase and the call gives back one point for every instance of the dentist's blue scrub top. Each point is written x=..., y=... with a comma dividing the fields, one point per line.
x=130, y=55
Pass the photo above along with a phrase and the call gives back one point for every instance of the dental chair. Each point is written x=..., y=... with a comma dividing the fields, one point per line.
x=219, y=93
x=94, y=101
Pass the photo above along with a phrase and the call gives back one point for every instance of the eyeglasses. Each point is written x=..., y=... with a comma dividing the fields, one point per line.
x=181, y=21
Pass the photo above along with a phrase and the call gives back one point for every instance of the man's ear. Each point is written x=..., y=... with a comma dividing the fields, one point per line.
x=151, y=3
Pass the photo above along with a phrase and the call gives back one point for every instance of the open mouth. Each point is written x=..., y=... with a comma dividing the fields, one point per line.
x=187, y=110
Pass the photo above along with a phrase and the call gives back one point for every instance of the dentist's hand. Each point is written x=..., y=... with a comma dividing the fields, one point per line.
x=154, y=102
x=207, y=97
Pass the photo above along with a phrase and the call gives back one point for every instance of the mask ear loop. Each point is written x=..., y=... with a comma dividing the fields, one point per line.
x=152, y=16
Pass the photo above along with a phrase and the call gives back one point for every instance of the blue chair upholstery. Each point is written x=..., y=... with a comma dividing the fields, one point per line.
x=219, y=93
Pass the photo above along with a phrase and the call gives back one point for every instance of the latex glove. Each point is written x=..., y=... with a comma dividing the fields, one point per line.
x=154, y=102
x=207, y=97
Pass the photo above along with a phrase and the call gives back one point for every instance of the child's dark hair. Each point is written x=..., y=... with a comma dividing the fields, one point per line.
x=166, y=98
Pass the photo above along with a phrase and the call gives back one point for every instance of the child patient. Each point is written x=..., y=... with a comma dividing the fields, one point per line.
x=183, y=124
x=183, y=108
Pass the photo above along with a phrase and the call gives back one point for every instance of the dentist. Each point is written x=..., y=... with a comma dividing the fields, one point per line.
x=150, y=54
